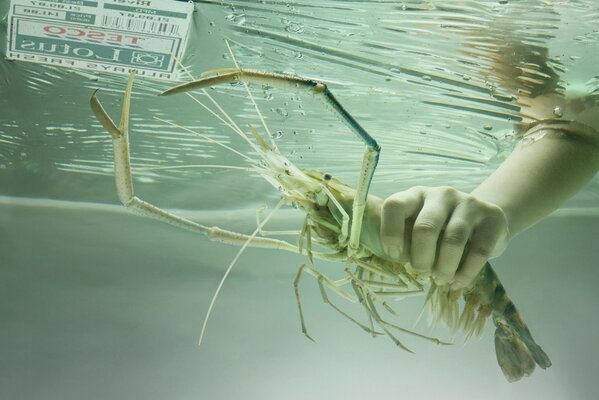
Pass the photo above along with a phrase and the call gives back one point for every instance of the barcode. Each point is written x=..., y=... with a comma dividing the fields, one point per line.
x=140, y=25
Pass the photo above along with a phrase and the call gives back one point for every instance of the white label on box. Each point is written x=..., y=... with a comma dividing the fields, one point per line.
x=101, y=35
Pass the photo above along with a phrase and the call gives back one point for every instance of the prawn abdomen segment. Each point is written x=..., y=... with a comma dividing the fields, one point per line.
x=516, y=350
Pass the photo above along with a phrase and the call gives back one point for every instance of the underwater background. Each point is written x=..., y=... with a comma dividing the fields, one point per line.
x=98, y=303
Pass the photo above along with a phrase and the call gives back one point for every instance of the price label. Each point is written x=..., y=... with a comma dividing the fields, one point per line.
x=101, y=35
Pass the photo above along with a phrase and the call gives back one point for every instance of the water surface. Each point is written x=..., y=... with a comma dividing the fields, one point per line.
x=97, y=303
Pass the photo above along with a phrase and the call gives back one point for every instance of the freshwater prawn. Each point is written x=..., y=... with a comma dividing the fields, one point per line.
x=336, y=221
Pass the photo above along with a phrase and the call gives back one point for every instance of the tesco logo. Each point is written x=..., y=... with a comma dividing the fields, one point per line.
x=70, y=32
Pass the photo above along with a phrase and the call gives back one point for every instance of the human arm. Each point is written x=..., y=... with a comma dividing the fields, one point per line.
x=452, y=234
x=545, y=169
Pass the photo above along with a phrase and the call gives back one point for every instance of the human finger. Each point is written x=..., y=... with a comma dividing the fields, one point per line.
x=484, y=240
x=453, y=242
x=394, y=212
x=432, y=218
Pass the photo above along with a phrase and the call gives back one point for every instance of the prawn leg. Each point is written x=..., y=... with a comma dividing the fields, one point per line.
x=325, y=298
x=323, y=283
x=367, y=297
x=263, y=232
x=124, y=183
x=373, y=315
x=321, y=91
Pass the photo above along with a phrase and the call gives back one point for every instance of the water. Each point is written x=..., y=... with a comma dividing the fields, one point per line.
x=103, y=304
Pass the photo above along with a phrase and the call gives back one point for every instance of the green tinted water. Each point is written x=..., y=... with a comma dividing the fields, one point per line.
x=98, y=303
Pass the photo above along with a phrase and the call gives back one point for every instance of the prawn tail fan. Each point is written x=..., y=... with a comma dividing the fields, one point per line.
x=517, y=352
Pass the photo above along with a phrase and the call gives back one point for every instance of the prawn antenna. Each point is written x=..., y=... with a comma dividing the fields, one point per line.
x=228, y=271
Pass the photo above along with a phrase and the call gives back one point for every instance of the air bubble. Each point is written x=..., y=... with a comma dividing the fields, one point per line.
x=557, y=111
x=278, y=135
x=294, y=27
x=282, y=112
x=237, y=19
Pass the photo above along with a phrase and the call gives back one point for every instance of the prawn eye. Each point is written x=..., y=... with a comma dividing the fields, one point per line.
x=327, y=177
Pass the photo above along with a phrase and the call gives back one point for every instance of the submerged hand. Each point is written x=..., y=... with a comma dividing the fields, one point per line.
x=443, y=231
